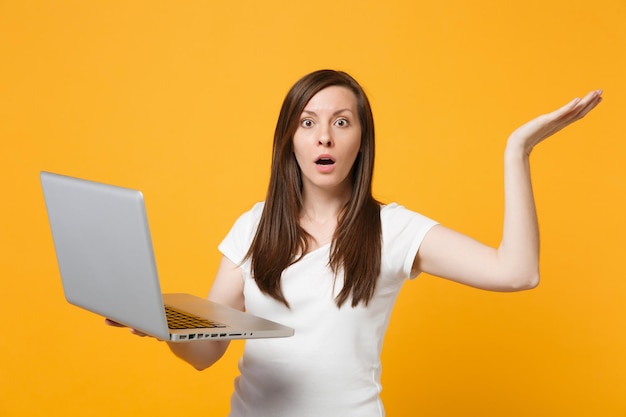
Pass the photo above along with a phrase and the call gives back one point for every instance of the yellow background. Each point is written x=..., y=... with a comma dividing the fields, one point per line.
x=179, y=99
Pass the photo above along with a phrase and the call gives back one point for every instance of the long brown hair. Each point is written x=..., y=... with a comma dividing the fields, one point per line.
x=280, y=241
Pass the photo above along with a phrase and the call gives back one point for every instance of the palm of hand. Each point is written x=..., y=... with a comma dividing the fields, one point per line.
x=535, y=131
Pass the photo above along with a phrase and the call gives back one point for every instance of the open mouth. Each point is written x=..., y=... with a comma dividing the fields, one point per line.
x=324, y=161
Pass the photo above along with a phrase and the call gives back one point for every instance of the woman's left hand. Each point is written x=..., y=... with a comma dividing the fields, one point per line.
x=526, y=137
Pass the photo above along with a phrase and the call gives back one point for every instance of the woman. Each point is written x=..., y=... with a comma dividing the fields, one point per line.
x=321, y=255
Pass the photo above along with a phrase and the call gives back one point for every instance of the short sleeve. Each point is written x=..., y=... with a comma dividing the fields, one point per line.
x=403, y=233
x=238, y=240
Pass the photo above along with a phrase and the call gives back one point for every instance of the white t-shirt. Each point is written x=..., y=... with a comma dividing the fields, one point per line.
x=331, y=366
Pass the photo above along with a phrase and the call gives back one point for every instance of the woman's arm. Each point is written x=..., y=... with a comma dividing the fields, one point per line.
x=227, y=290
x=514, y=265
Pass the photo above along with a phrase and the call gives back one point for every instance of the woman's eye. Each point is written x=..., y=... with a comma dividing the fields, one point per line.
x=306, y=123
x=342, y=122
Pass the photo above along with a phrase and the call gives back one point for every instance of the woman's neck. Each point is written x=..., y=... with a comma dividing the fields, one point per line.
x=323, y=206
x=319, y=216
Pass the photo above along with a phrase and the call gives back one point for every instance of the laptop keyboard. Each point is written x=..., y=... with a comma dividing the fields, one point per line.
x=177, y=319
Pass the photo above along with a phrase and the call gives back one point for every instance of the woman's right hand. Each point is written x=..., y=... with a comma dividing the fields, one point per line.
x=112, y=323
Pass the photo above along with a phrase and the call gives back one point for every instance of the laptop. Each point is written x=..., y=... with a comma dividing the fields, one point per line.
x=107, y=265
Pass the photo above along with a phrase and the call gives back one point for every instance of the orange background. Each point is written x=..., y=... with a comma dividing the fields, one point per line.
x=179, y=99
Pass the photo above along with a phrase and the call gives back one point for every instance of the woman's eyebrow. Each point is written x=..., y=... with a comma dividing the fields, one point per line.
x=336, y=112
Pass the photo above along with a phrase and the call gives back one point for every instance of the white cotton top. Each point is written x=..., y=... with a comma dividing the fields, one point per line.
x=331, y=366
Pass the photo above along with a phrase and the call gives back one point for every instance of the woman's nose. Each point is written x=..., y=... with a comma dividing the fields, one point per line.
x=325, y=139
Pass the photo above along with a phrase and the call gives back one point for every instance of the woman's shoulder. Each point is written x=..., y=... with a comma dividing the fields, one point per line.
x=238, y=239
x=251, y=216
x=257, y=208
x=385, y=207
x=254, y=211
x=396, y=213
x=391, y=209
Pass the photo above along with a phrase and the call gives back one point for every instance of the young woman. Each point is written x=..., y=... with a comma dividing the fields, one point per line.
x=321, y=255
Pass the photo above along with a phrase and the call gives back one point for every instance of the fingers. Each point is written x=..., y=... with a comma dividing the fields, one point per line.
x=578, y=107
x=137, y=333
x=588, y=103
x=112, y=323
x=575, y=109
x=530, y=134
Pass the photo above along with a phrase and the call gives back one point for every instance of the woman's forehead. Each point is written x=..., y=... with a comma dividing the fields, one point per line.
x=333, y=99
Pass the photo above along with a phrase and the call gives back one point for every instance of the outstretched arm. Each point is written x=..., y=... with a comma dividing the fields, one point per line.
x=514, y=265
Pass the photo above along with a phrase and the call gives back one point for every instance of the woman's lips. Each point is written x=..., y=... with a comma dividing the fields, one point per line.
x=325, y=160
x=325, y=163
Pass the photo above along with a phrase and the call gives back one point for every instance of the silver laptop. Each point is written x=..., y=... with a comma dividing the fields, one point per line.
x=105, y=256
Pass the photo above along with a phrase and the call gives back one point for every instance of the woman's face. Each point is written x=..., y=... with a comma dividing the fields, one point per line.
x=328, y=140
